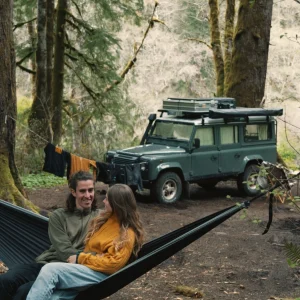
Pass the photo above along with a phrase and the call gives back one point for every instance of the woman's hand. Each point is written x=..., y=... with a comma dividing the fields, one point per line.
x=72, y=259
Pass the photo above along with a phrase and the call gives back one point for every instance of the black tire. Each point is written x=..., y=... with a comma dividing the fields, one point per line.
x=250, y=183
x=168, y=188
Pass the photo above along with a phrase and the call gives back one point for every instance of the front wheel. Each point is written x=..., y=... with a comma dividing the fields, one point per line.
x=251, y=182
x=167, y=188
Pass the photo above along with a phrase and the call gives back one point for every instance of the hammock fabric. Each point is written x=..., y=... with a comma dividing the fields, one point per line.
x=24, y=235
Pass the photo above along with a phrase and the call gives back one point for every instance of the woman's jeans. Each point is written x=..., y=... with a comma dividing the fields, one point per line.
x=63, y=281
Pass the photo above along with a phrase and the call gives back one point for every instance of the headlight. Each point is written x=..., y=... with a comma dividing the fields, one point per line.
x=143, y=167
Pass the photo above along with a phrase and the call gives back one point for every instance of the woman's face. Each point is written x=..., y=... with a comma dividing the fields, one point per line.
x=107, y=205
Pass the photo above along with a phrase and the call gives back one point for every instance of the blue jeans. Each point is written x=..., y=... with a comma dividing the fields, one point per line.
x=63, y=281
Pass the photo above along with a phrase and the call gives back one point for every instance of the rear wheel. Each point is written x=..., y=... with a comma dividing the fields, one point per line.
x=167, y=188
x=251, y=182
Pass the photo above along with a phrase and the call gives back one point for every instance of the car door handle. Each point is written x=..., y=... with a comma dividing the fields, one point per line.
x=237, y=155
x=213, y=158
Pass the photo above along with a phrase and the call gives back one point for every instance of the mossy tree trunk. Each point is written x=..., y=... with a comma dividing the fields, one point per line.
x=246, y=81
x=58, y=70
x=10, y=184
x=39, y=120
x=228, y=39
x=216, y=46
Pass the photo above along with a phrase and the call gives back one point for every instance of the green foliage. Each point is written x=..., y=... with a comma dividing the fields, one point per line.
x=288, y=155
x=293, y=254
x=42, y=180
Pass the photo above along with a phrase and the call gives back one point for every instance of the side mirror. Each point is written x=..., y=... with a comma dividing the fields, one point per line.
x=152, y=117
x=196, y=143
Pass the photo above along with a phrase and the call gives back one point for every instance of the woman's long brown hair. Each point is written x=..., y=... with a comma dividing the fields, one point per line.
x=123, y=204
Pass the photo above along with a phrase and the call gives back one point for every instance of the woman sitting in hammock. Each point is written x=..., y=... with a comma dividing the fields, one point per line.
x=112, y=238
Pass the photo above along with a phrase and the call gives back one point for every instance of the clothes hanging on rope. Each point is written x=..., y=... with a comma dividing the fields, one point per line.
x=78, y=163
x=56, y=160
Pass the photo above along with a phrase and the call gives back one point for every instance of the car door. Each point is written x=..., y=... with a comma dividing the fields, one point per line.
x=230, y=149
x=205, y=159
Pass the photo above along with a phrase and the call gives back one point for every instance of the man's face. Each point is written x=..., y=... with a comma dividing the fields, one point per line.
x=84, y=194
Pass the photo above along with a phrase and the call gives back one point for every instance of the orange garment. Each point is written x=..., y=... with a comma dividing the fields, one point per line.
x=108, y=259
x=82, y=164
x=58, y=150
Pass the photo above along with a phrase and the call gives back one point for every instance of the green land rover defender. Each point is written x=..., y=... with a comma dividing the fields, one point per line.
x=203, y=141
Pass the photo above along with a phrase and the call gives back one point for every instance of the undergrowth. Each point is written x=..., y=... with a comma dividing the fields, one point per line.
x=42, y=180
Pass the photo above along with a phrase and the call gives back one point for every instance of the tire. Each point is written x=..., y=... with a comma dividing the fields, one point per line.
x=168, y=188
x=250, y=183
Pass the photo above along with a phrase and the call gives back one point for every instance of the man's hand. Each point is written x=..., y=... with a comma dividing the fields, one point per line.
x=72, y=259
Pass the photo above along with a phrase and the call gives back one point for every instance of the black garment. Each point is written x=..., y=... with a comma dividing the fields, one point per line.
x=133, y=176
x=23, y=291
x=103, y=173
x=117, y=174
x=16, y=277
x=55, y=163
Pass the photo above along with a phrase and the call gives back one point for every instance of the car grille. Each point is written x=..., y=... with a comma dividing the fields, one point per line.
x=124, y=160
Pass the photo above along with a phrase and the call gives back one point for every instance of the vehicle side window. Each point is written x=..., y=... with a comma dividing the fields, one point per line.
x=206, y=136
x=257, y=132
x=229, y=135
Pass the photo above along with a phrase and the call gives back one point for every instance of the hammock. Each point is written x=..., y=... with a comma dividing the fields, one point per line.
x=24, y=235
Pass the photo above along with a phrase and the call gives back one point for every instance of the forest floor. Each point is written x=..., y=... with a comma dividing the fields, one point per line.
x=233, y=261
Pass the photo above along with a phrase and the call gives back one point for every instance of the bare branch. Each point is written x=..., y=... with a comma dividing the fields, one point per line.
x=77, y=8
x=26, y=70
x=132, y=61
x=23, y=23
x=200, y=41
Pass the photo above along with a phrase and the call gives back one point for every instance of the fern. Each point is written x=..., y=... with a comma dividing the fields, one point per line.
x=293, y=254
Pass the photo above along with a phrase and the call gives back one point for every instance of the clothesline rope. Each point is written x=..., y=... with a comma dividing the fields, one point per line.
x=27, y=128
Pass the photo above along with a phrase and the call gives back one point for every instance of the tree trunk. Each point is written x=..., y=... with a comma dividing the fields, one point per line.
x=39, y=119
x=58, y=70
x=246, y=81
x=10, y=184
x=216, y=45
x=50, y=43
x=228, y=39
x=32, y=36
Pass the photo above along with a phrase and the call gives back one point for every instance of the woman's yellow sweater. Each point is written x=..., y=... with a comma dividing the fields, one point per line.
x=108, y=259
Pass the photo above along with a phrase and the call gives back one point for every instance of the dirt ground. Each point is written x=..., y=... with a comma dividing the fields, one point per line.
x=233, y=261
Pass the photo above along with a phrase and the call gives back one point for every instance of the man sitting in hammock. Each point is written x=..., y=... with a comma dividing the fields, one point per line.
x=67, y=231
x=113, y=236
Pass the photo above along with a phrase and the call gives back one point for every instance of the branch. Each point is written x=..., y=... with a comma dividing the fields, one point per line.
x=21, y=24
x=297, y=1
x=77, y=8
x=80, y=22
x=200, y=41
x=83, y=124
x=91, y=92
x=132, y=61
x=26, y=70
x=92, y=65
x=24, y=58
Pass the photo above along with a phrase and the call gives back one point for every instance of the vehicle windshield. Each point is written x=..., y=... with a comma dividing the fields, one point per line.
x=172, y=131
